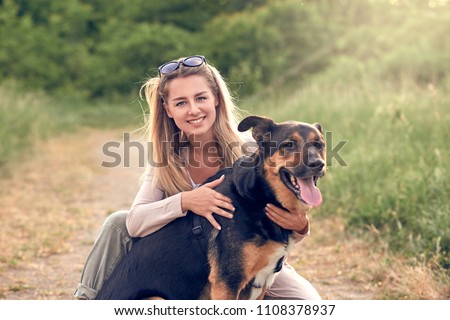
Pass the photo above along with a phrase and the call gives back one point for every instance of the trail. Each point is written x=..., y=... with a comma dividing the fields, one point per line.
x=327, y=259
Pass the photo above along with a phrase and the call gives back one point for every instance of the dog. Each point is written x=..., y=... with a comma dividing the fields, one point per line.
x=189, y=259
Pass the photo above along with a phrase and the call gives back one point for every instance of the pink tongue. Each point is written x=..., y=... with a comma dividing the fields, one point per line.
x=309, y=193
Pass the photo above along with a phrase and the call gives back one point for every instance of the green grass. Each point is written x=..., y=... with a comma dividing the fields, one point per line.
x=26, y=118
x=21, y=121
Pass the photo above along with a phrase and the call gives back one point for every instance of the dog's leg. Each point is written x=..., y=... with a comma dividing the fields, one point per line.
x=262, y=295
x=219, y=290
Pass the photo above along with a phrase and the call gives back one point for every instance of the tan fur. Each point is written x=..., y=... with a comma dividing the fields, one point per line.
x=257, y=257
x=312, y=136
x=282, y=193
x=218, y=289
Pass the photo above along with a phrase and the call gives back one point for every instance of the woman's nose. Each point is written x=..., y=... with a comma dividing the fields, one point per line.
x=193, y=109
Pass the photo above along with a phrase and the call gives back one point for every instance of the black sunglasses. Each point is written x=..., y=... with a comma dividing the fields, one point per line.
x=171, y=66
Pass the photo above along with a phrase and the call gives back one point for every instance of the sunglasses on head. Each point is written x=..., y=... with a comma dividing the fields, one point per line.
x=171, y=66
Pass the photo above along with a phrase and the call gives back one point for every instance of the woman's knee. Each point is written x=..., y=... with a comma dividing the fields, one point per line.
x=117, y=220
x=290, y=285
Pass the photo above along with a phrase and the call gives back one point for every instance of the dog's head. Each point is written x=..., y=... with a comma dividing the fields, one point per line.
x=293, y=159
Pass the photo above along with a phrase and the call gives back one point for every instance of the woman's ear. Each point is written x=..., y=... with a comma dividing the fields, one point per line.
x=216, y=100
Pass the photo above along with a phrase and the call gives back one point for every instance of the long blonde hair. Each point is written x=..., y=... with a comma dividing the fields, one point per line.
x=166, y=139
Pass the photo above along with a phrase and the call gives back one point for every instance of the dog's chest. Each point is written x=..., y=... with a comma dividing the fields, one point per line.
x=265, y=277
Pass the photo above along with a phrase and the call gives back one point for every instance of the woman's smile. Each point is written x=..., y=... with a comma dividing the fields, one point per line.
x=197, y=120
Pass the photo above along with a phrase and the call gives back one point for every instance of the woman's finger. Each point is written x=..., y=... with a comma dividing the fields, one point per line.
x=275, y=212
x=214, y=183
x=213, y=221
x=222, y=213
x=223, y=201
x=273, y=216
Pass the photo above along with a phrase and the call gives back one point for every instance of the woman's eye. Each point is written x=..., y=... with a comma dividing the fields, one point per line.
x=201, y=98
x=181, y=103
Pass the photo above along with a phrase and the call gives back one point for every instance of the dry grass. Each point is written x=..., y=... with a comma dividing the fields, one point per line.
x=53, y=205
x=39, y=201
x=343, y=266
x=400, y=279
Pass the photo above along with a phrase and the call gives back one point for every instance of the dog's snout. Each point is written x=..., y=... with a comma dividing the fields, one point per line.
x=317, y=164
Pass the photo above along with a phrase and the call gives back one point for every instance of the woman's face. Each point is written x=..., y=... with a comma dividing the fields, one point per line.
x=192, y=105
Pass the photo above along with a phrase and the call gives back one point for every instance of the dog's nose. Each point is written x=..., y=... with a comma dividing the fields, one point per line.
x=317, y=165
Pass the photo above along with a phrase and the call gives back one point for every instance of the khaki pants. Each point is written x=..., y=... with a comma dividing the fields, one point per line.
x=113, y=243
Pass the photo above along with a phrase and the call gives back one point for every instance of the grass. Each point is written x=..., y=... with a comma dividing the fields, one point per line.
x=21, y=122
x=33, y=129
x=343, y=266
x=27, y=118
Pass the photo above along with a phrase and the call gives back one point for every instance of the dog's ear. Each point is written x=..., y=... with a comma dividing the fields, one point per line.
x=318, y=126
x=244, y=175
x=260, y=125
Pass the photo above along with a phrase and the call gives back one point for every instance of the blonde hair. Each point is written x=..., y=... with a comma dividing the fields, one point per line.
x=170, y=172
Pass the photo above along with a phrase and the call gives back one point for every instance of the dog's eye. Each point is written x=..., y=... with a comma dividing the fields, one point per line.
x=287, y=145
x=318, y=145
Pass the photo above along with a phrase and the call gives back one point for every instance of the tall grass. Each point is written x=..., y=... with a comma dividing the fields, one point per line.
x=394, y=173
x=23, y=119
x=26, y=117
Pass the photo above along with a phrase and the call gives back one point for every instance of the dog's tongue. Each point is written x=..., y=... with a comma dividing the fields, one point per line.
x=309, y=193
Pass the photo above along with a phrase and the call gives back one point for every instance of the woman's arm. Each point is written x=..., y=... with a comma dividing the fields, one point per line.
x=150, y=210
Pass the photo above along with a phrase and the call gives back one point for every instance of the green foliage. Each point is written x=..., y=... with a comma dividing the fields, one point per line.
x=97, y=48
x=101, y=48
x=252, y=48
x=124, y=52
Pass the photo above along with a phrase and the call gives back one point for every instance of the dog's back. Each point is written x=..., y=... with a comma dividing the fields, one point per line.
x=168, y=263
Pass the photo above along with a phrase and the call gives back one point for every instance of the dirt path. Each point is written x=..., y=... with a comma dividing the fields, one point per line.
x=332, y=266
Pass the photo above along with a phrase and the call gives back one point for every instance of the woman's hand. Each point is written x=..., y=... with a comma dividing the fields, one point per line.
x=205, y=201
x=296, y=221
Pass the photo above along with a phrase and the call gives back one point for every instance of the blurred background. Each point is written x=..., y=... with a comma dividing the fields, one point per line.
x=374, y=73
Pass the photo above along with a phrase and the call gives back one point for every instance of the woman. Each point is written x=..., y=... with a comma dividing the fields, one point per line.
x=192, y=130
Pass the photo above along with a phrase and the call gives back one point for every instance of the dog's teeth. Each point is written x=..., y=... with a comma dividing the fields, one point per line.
x=294, y=183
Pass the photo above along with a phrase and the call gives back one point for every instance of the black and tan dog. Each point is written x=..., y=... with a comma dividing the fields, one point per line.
x=189, y=259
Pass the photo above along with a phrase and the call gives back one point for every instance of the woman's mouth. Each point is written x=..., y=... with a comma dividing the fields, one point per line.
x=195, y=121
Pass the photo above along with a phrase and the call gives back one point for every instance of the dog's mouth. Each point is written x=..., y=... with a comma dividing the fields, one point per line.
x=304, y=188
